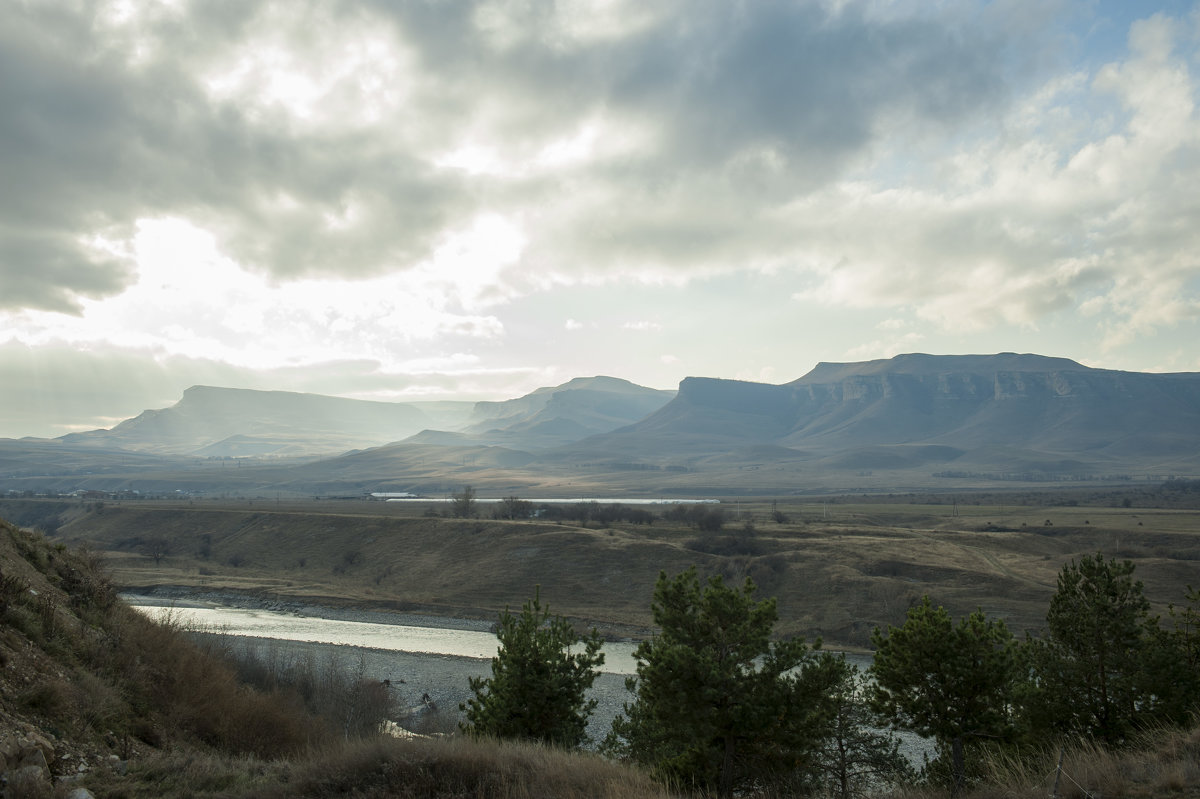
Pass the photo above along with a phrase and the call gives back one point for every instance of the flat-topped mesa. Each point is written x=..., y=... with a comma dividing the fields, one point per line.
x=1044, y=406
x=918, y=363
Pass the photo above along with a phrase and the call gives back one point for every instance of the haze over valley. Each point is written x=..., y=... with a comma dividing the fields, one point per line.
x=912, y=421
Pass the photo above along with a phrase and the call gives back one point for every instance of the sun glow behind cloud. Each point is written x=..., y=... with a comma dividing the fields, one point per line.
x=190, y=300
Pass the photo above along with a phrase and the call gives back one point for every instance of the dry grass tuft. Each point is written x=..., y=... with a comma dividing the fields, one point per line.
x=462, y=767
x=192, y=773
x=1160, y=763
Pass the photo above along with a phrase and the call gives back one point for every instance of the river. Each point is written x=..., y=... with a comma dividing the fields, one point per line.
x=466, y=640
x=426, y=659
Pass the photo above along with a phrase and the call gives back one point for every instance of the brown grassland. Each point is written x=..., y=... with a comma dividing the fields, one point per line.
x=113, y=702
x=112, y=689
x=838, y=568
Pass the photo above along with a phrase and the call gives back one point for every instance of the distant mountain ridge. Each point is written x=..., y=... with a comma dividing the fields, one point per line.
x=229, y=422
x=912, y=420
x=918, y=363
x=219, y=422
x=1043, y=408
x=553, y=416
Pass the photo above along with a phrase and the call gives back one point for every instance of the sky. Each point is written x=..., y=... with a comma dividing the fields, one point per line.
x=410, y=200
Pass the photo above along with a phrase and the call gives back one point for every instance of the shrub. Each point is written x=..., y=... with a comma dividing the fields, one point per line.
x=11, y=587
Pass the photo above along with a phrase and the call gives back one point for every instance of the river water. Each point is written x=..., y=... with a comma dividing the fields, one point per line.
x=427, y=660
x=479, y=644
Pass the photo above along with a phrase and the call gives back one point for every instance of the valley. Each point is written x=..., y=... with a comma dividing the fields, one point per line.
x=839, y=566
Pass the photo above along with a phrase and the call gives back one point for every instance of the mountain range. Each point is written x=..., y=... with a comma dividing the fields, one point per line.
x=911, y=420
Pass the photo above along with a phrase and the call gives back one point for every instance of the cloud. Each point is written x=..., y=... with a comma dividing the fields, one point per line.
x=885, y=347
x=60, y=387
x=302, y=184
x=1023, y=226
x=317, y=140
x=108, y=124
x=188, y=300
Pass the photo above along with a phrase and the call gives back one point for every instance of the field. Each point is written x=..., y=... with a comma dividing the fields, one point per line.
x=839, y=567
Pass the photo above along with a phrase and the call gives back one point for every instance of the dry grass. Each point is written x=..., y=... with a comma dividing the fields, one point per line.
x=183, y=773
x=82, y=663
x=386, y=768
x=109, y=680
x=95, y=667
x=1160, y=763
x=462, y=767
x=837, y=569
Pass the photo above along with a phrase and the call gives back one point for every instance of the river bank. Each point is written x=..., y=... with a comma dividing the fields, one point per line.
x=427, y=687
x=188, y=597
x=427, y=661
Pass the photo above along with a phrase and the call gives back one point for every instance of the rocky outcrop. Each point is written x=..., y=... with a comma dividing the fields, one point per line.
x=25, y=760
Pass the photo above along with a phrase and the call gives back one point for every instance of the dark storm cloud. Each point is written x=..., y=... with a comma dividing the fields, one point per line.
x=717, y=76
x=89, y=143
x=748, y=106
x=47, y=271
x=105, y=124
x=792, y=77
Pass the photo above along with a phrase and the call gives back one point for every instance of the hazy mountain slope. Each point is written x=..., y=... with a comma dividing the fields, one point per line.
x=381, y=460
x=1023, y=408
x=1047, y=404
x=707, y=416
x=913, y=420
x=37, y=457
x=445, y=414
x=590, y=404
x=260, y=423
x=274, y=430
x=919, y=363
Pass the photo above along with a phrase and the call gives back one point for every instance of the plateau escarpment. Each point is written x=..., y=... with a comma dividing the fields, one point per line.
x=998, y=412
x=910, y=422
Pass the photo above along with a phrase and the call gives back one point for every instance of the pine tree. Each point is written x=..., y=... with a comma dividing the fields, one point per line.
x=1105, y=667
x=718, y=705
x=538, y=688
x=1187, y=629
x=954, y=684
x=857, y=757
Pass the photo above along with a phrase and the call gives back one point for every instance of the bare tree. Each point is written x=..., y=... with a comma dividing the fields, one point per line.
x=463, y=505
x=514, y=508
x=156, y=547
